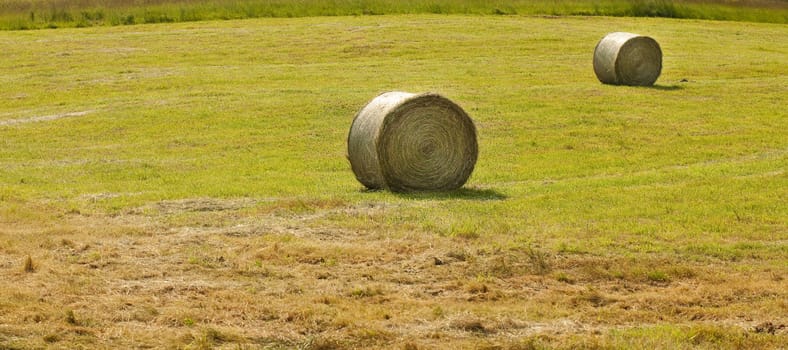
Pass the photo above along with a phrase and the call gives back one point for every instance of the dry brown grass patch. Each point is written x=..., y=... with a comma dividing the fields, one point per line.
x=283, y=282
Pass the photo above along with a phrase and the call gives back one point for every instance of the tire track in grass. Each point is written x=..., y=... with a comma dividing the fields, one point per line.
x=44, y=118
x=749, y=158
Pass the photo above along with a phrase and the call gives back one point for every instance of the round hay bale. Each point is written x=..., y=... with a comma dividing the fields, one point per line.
x=627, y=59
x=408, y=142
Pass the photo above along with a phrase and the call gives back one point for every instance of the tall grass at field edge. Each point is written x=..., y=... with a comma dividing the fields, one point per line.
x=38, y=14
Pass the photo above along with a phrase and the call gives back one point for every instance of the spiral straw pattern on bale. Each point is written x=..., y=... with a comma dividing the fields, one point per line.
x=406, y=142
x=627, y=59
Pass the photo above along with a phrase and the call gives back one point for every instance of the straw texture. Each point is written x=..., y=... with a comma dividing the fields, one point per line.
x=627, y=59
x=408, y=142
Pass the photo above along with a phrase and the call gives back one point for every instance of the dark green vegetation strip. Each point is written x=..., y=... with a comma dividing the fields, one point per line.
x=36, y=14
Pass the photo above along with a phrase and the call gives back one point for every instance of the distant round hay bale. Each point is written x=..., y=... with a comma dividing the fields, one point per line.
x=627, y=59
x=408, y=142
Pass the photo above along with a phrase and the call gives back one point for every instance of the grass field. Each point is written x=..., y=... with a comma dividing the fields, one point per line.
x=185, y=186
x=36, y=14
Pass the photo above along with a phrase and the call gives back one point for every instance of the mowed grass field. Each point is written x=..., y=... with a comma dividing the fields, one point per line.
x=185, y=186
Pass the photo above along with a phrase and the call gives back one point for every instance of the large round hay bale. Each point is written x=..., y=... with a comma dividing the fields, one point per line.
x=412, y=142
x=627, y=59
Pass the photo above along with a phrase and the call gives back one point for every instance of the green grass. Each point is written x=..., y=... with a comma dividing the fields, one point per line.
x=261, y=109
x=35, y=14
x=214, y=125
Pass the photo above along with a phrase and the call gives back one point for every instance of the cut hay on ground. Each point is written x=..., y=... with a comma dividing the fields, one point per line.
x=407, y=142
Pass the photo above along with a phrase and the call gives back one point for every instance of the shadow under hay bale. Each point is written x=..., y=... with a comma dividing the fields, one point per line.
x=408, y=142
x=465, y=193
x=627, y=59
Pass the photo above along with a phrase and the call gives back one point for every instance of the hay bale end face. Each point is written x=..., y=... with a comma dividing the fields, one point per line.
x=627, y=59
x=408, y=142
